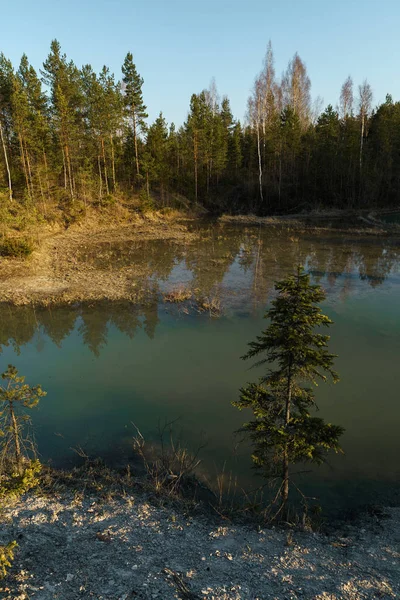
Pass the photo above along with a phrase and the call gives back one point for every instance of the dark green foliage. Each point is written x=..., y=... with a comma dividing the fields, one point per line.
x=15, y=247
x=135, y=109
x=284, y=431
x=85, y=140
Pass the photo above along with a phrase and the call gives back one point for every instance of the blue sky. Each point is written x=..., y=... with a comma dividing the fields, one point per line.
x=179, y=45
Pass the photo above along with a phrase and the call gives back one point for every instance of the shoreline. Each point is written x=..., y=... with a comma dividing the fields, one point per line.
x=56, y=274
x=147, y=547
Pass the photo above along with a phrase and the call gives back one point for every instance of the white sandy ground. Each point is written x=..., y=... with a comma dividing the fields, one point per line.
x=119, y=550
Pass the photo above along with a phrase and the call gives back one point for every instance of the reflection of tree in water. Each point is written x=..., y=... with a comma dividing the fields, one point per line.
x=93, y=328
x=377, y=263
x=210, y=259
x=20, y=325
x=151, y=318
x=126, y=320
x=371, y=260
x=332, y=260
x=260, y=256
x=155, y=258
x=126, y=317
x=57, y=323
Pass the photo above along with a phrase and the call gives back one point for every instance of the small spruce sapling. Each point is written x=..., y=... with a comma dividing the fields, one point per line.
x=284, y=432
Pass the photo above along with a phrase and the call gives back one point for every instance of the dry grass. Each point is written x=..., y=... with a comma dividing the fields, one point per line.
x=210, y=304
x=55, y=272
x=178, y=294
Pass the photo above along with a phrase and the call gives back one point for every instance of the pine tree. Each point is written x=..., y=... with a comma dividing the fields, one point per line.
x=15, y=397
x=284, y=431
x=64, y=80
x=235, y=152
x=133, y=102
x=326, y=156
x=112, y=115
x=157, y=146
x=38, y=128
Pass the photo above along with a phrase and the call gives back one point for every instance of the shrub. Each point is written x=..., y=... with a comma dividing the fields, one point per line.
x=15, y=247
x=15, y=483
x=179, y=294
x=6, y=556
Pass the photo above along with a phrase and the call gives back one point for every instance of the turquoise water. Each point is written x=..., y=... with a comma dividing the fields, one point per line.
x=106, y=366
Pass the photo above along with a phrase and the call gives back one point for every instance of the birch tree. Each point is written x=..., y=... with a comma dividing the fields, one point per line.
x=364, y=106
x=6, y=83
x=346, y=99
x=296, y=86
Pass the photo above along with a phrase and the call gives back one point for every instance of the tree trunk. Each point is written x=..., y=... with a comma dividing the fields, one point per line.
x=65, y=168
x=105, y=166
x=113, y=162
x=136, y=144
x=47, y=173
x=285, y=462
x=23, y=161
x=361, y=149
x=28, y=162
x=7, y=164
x=259, y=163
x=15, y=434
x=68, y=161
x=195, y=165
x=41, y=191
x=100, y=179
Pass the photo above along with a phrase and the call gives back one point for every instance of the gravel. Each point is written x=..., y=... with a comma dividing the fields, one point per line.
x=128, y=549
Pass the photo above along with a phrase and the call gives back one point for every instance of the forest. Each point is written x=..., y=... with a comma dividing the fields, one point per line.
x=73, y=138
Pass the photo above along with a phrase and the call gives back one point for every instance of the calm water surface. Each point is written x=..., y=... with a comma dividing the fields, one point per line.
x=105, y=366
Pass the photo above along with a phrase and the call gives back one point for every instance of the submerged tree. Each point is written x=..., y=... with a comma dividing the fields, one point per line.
x=284, y=431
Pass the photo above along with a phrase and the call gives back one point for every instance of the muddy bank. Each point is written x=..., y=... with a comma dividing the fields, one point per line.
x=59, y=272
x=74, y=546
x=95, y=261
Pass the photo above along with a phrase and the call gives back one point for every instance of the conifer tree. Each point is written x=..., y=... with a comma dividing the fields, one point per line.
x=284, y=431
x=112, y=115
x=38, y=127
x=15, y=397
x=133, y=102
x=157, y=146
x=64, y=81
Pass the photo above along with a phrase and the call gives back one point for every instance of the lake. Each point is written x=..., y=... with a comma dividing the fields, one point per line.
x=106, y=366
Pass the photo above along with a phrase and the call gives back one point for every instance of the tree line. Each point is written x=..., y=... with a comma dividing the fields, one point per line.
x=71, y=135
